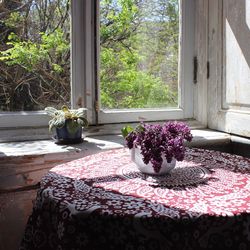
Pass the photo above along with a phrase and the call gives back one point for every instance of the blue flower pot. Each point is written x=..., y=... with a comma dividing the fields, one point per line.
x=63, y=136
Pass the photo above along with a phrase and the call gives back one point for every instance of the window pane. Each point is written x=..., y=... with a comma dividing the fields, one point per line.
x=139, y=43
x=34, y=54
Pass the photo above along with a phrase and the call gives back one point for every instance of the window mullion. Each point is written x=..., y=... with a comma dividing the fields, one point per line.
x=77, y=54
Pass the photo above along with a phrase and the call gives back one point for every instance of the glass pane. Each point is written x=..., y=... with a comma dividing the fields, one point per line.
x=139, y=43
x=34, y=54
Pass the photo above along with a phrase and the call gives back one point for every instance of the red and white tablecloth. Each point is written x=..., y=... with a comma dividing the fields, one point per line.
x=103, y=202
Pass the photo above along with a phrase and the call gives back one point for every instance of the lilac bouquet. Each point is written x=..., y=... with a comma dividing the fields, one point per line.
x=158, y=140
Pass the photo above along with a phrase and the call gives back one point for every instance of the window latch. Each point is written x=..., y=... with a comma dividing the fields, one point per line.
x=195, y=62
x=208, y=69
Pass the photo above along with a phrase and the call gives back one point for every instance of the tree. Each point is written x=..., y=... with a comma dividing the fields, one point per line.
x=35, y=52
x=138, y=53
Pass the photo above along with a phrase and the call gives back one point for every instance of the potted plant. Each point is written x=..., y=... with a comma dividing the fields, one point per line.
x=155, y=148
x=68, y=124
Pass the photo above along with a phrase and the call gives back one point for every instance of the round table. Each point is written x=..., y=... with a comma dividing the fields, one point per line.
x=102, y=201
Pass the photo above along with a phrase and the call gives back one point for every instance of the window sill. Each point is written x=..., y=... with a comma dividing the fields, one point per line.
x=93, y=144
x=34, y=133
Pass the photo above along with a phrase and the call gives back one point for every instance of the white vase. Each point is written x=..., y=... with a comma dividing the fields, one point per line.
x=136, y=157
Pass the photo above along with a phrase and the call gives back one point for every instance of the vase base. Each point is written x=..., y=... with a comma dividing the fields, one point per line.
x=156, y=174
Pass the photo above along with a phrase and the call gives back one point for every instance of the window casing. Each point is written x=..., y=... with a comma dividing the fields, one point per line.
x=85, y=80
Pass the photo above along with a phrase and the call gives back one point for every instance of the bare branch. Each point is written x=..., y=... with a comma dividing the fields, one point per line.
x=7, y=12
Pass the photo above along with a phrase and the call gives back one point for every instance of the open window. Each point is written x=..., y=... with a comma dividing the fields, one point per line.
x=144, y=60
x=229, y=57
x=34, y=60
x=145, y=75
x=115, y=55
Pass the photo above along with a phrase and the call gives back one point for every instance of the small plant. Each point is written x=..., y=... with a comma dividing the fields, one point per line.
x=72, y=119
x=157, y=141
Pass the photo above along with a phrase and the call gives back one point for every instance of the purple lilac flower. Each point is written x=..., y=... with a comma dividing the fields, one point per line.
x=157, y=140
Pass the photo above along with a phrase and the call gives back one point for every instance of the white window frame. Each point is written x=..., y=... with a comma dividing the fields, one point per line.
x=84, y=75
x=38, y=119
x=185, y=95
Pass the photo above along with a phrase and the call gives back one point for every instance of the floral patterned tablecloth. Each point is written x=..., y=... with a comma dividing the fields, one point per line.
x=103, y=202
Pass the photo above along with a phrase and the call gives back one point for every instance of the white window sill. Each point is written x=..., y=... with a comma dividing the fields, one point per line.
x=93, y=144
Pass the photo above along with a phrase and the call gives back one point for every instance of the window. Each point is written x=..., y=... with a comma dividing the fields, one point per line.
x=145, y=54
x=90, y=59
x=34, y=58
x=139, y=51
x=228, y=86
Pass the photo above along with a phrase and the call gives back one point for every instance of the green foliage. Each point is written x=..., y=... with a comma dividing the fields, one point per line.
x=138, y=57
x=139, y=54
x=14, y=19
x=75, y=118
x=54, y=42
x=126, y=130
x=31, y=55
x=34, y=54
x=24, y=53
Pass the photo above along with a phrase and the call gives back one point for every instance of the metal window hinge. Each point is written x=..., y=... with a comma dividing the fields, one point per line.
x=97, y=107
x=208, y=69
x=195, y=62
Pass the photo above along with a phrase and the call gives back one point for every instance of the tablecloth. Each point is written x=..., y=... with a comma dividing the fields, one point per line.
x=103, y=201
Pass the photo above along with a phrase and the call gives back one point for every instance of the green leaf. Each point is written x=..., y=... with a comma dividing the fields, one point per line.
x=72, y=126
x=57, y=122
x=126, y=130
x=82, y=122
x=78, y=112
x=57, y=68
x=140, y=128
x=51, y=111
